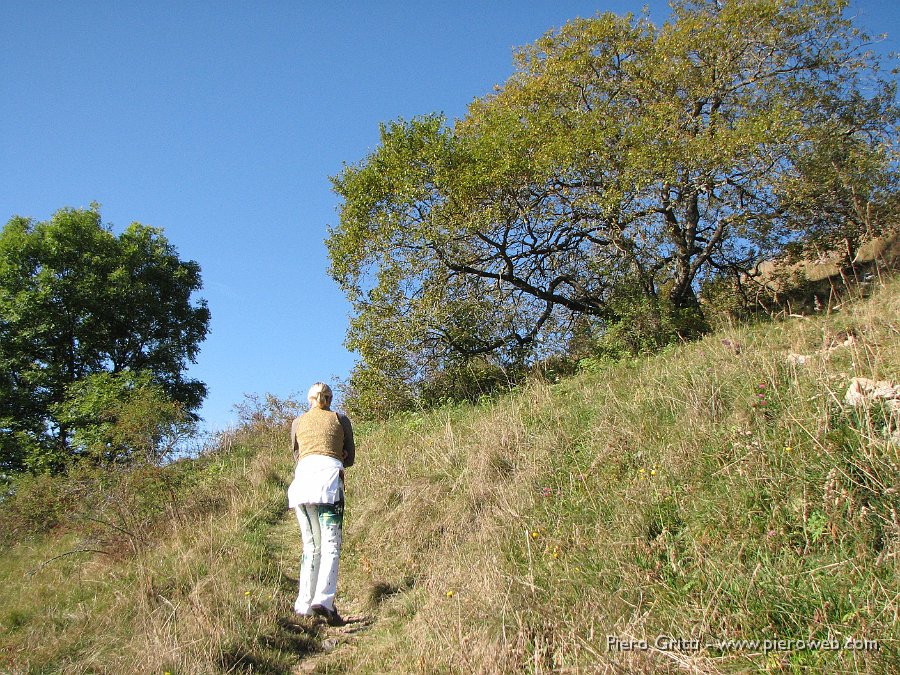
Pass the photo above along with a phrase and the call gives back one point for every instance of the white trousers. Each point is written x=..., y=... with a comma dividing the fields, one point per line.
x=321, y=528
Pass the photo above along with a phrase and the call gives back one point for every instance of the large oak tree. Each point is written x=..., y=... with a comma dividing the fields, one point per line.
x=621, y=166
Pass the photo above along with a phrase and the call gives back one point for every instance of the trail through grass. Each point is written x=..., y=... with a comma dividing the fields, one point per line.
x=660, y=514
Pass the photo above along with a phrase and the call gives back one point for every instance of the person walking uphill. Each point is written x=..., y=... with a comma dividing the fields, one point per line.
x=322, y=442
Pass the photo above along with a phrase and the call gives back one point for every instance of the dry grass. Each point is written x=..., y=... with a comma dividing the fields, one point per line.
x=204, y=592
x=658, y=496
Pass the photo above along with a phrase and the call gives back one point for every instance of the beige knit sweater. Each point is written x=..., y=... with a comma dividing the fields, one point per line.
x=323, y=432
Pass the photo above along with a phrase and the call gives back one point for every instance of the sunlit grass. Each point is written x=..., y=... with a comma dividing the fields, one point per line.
x=699, y=494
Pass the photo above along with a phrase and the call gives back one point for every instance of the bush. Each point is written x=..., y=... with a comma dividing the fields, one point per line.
x=123, y=417
x=469, y=380
x=648, y=327
x=34, y=504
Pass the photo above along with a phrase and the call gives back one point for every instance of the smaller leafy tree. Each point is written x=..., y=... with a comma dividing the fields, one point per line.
x=122, y=417
x=76, y=301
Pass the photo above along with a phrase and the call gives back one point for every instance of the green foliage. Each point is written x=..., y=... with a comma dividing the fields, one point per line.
x=620, y=168
x=374, y=395
x=846, y=186
x=34, y=503
x=117, y=506
x=722, y=300
x=122, y=417
x=76, y=300
x=470, y=381
x=646, y=326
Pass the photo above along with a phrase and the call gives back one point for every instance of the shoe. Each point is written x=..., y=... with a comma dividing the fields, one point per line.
x=331, y=616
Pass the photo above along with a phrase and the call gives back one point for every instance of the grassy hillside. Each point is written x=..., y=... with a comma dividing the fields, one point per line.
x=156, y=570
x=716, y=492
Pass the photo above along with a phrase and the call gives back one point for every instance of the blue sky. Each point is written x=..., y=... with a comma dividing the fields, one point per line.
x=221, y=122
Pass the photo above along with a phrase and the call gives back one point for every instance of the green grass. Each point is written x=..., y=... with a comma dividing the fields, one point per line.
x=655, y=497
x=697, y=494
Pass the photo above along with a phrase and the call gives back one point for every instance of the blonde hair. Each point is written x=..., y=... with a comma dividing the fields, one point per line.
x=320, y=395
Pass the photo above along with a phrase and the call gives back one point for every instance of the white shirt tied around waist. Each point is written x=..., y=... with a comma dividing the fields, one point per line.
x=317, y=480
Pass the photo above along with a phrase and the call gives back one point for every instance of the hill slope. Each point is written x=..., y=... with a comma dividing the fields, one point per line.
x=720, y=491
x=702, y=495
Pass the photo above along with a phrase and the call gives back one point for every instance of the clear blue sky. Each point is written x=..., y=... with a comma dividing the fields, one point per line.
x=221, y=122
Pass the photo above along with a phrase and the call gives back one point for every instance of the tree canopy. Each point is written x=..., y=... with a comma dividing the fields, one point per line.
x=620, y=167
x=77, y=301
